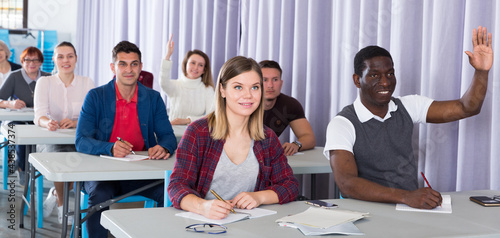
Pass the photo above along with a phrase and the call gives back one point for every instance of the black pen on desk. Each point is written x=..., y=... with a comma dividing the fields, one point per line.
x=218, y=197
x=120, y=139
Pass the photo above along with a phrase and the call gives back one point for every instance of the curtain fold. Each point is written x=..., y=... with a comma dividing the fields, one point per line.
x=315, y=43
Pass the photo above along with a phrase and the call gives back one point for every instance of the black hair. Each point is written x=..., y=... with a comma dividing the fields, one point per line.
x=270, y=64
x=368, y=53
x=127, y=47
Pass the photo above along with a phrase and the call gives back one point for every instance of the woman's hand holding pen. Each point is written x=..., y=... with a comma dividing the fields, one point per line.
x=215, y=209
x=52, y=125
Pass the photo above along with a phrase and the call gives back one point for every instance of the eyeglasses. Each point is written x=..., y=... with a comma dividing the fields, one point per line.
x=209, y=228
x=36, y=61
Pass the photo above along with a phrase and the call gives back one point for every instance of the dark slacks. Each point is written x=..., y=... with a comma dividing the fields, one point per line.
x=101, y=191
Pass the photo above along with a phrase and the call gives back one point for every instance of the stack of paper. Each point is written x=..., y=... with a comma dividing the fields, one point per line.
x=444, y=208
x=320, y=221
x=241, y=214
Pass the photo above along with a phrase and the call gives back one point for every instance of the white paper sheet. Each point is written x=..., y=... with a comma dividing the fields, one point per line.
x=444, y=208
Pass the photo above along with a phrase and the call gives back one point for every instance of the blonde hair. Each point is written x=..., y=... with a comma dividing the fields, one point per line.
x=6, y=49
x=217, y=120
x=206, y=77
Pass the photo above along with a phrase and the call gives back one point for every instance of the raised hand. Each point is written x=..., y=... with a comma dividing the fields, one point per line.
x=170, y=47
x=482, y=56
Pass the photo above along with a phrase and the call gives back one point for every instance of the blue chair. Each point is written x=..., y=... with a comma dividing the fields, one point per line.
x=148, y=203
x=166, y=199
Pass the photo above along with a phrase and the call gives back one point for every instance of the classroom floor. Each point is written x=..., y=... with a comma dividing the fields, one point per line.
x=51, y=227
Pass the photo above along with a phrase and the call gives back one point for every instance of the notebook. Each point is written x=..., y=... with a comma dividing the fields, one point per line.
x=444, y=208
x=241, y=214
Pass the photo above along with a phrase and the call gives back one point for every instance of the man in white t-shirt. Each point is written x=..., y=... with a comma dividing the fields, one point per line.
x=369, y=142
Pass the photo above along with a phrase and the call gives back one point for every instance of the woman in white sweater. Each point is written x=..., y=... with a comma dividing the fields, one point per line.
x=192, y=95
x=57, y=105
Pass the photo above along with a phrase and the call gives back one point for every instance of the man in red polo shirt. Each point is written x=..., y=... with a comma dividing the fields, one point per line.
x=127, y=110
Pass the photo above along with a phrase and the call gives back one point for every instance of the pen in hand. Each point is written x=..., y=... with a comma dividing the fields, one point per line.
x=120, y=139
x=219, y=198
x=52, y=119
x=427, y=182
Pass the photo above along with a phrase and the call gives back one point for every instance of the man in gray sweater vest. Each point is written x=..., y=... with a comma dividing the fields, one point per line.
x=369, y=142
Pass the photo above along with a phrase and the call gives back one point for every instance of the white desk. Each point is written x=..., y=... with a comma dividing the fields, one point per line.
x=179, y=131
x=73, y=166
x=25, y=114
x=468, y=219
x=310, y=162
x=13, y=115
x=31, y=135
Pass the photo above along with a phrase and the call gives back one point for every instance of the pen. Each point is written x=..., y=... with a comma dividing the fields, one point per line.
x=218, y=197
x=52, y=119
x=427, y=182
x=120, y=139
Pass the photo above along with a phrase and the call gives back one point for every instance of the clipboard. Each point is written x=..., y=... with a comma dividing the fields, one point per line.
x=486, y=201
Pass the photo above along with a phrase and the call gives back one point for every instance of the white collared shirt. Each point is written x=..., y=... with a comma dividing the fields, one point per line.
x=54, y=98
x=341, y=135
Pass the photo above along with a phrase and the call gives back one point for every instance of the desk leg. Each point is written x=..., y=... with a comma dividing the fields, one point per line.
x=24, y=196
x=313, y=186
x=76, y=219
x=65, y=209
x=32, y=201
x=30, y=176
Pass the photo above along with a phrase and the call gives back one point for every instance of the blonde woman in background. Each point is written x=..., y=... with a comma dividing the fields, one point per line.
x=6, y=67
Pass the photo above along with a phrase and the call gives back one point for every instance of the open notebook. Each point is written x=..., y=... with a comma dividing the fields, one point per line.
x=444, y=208
x=241, y=214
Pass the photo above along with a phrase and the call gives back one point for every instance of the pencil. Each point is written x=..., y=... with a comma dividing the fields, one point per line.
x=218, y=197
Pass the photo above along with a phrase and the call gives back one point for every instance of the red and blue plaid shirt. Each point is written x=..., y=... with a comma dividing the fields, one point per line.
x=198, y=154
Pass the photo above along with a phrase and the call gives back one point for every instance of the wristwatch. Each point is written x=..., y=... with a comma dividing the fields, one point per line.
x=298, y=144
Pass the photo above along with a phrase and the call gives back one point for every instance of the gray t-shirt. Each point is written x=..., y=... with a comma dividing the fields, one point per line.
x=230, y=179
